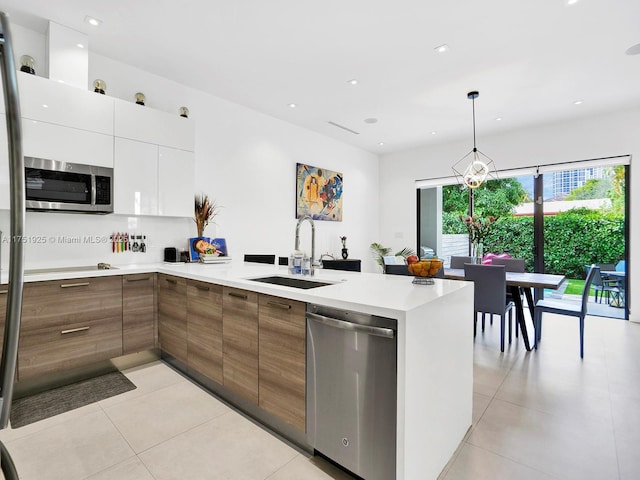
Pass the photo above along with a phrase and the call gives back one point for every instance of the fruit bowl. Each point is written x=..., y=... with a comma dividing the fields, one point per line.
x=424, y=270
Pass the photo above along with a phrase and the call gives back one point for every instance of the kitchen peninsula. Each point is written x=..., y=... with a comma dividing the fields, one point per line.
x=434, y=342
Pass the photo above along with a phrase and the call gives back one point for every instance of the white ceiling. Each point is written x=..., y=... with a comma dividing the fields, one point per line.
x=529, y=59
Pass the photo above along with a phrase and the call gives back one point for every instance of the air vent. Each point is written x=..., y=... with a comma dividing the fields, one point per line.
x=344, y=128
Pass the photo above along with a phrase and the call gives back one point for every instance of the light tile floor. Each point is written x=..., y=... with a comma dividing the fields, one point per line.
x=541, y=415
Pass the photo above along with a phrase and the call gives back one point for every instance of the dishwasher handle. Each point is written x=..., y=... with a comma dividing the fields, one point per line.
x=354, y=327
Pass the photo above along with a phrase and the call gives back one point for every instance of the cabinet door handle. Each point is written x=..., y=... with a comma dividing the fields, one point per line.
x=137, y=279
x=74, y=330
x=4, y=292
x=243, y=296
x=71, y=285
x=171, y=280
x=284, y=306
x=202, y=287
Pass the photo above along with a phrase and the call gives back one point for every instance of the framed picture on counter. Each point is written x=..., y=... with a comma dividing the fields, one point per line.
x=318, y=193
x=198, y=245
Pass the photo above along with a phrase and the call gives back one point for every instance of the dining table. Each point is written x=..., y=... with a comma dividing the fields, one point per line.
x=517, y=282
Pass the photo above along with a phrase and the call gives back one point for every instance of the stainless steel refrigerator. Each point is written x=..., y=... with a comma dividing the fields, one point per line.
x=16, y=235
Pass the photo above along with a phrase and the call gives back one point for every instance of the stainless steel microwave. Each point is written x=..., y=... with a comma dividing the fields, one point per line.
x=64, y=186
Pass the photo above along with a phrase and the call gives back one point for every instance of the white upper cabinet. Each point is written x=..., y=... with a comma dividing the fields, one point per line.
x=145, y=124
x=64, y=144
x=176, y=182
x=150, y=151
x=135, y=186
x=54, y=102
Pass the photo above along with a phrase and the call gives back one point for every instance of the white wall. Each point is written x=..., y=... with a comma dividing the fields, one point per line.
x=598, y=137
x=244, y=159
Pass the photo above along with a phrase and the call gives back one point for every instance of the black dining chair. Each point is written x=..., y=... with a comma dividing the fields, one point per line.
x=345, y=265
x=271, y=259
x=511, y=265
x=397, y=269
x=404, y=270
x=565, y=307
x=490, y=294
x=458, y=262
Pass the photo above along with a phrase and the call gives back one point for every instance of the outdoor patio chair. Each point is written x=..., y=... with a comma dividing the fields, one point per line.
x=602, y=285
x=490, y=294
x=565, y=307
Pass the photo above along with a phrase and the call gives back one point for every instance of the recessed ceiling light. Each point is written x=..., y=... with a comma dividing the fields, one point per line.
x=92, y=21
x=442, y=48
x=353, y=81
x=578, y=102
x=572, y=2
x=44, y=105
x=634, y=50
x=370, y=120
x=381, y=143
x=434, y=132
x=498, y=119
x=293, y=105
x=79, y=45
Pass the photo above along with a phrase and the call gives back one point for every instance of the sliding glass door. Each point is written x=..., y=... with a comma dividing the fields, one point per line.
x=560, y=221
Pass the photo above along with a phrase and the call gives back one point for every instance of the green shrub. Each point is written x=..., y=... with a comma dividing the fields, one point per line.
x=573, y=239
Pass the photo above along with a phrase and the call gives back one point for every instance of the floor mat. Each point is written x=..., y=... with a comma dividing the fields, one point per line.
x=52, y=402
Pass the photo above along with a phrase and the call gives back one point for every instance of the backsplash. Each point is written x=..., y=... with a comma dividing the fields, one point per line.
x=66, y=239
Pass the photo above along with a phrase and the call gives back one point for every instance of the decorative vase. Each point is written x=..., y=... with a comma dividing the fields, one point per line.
x=476, y=252
x=345, y=253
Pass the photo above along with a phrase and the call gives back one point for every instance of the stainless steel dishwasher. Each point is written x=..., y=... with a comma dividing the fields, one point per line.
x=351, y=390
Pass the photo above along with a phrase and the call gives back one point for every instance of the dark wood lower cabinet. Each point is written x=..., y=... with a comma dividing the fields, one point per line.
x=204, y=329
x=3, y=311
x=138, y=312
x=282, y=359
x=240, y=342
x=172, y=316
x=68, y=324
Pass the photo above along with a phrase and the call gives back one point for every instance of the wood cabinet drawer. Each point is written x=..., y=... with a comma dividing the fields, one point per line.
x=282, y=355
x=138, y=312
x=240, y=342
x=69, y=323
x=3, y=311
x=172, y=316
x=204, y=329
x=53, y=348
x=63, y=302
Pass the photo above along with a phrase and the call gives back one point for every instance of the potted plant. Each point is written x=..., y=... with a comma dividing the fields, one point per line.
x=205, y=211
x=379, y=252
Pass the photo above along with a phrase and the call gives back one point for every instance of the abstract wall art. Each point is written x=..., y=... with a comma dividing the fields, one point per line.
x=318, y=193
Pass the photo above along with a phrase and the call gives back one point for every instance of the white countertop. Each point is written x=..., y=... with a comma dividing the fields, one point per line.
x=378, y=294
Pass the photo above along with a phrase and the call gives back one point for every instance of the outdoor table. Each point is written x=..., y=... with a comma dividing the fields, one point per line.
x=515, y=282
x=617, y=298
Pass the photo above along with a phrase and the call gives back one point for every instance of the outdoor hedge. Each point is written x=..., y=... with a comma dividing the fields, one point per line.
x=573, y=239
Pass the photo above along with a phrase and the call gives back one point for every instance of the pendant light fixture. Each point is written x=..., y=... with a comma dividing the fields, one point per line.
x=477, y=171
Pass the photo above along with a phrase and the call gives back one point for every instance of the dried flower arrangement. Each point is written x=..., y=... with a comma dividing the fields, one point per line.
x=204, y=210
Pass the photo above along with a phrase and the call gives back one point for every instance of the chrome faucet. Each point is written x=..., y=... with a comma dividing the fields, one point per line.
x=313, y=238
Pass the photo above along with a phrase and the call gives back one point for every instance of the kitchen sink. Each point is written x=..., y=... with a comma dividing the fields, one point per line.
x=291, y=282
